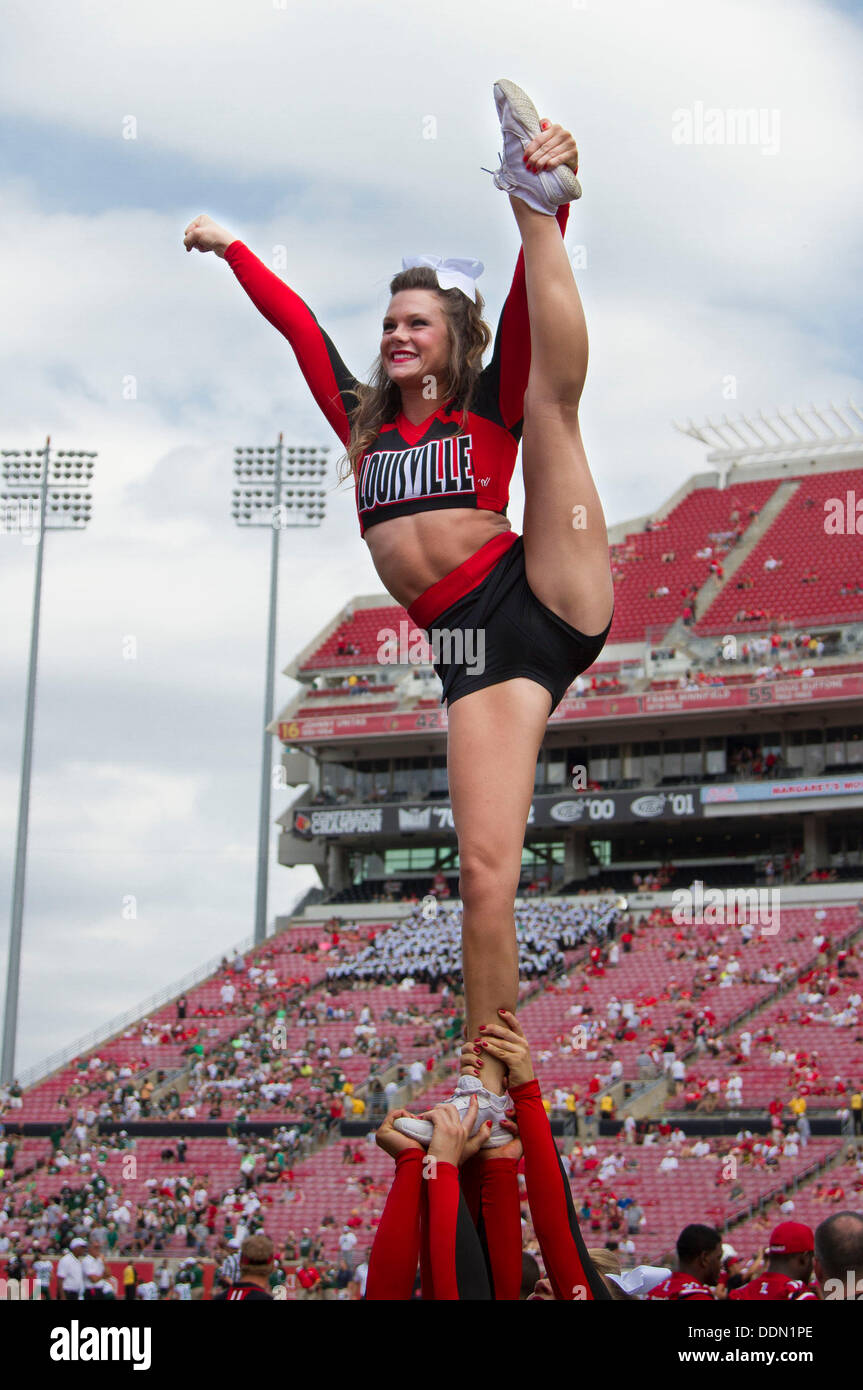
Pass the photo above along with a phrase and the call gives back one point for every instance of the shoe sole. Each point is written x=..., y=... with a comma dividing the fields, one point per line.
x=524, y=109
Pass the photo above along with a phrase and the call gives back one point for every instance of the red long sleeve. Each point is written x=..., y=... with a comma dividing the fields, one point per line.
x=509, y=367
x=501, y=1214
x=547, y=1198
x=327, y=377
x=395, y=1252
x=443, y=1197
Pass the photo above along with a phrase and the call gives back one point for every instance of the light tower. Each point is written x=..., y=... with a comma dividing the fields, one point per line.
x=281, y=488
x=40, y=493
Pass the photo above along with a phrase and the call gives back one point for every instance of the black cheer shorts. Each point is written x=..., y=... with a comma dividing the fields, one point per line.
x=500, y=630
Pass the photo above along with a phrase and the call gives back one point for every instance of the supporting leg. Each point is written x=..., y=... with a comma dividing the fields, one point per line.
x=494, y=739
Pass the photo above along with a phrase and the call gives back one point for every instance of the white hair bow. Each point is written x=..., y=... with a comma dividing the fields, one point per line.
x=456, y=273
x=640, y=1280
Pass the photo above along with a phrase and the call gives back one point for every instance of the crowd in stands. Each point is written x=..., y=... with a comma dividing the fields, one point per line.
x=428, y=947
x=302, y=1079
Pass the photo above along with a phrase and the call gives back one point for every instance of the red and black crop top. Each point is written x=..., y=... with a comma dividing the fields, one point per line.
x=413, y=468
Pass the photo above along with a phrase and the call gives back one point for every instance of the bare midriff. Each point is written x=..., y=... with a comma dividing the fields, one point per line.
x=410, y=553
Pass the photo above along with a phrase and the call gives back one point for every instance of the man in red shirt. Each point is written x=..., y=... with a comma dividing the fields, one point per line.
x=699, y=1258
x=308, y=1277
x=789, y=1267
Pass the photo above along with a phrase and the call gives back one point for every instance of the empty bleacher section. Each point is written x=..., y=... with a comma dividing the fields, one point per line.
x=818, y=576
x=356, y=640
x=656, y=570
x=835, y=1186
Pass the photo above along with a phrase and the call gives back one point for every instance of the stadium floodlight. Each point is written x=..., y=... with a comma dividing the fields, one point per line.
x=41, y=492
x=280, y=487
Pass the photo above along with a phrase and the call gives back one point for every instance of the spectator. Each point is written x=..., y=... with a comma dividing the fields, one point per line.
x=360, y=1276
x=634, y=1218
x=229, y=1270
x=309, y=1279
x=70, y=1275
x=255, y=1267
x=839, y=1255
x=347, y=1245
x=789, y=1267
x=93, y=1270
x=699, y=1258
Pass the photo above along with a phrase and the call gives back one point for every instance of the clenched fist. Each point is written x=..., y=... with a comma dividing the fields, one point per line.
x=203, y=234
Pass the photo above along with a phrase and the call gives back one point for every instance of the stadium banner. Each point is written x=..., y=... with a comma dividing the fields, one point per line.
x=580, y=808
x=781, y=791
x=587, y=709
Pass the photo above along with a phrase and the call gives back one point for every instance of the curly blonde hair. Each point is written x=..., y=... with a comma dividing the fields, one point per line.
x=379, y=402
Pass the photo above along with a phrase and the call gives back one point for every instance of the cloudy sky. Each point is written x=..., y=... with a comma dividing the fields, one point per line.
x=718, y=276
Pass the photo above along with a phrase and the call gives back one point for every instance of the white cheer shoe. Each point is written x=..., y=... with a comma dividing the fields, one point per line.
x=545, y=191
x=491, y=1107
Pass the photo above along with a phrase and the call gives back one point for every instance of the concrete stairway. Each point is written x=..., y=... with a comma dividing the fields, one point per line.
x=741, y=552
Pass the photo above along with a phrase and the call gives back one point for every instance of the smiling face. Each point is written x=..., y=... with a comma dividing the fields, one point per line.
x=415, y=339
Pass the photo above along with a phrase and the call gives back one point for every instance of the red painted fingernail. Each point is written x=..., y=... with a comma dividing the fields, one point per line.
x=482, y=1027
x=524, y=158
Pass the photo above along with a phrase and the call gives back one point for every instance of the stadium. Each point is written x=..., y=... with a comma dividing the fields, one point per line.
x=689, y=917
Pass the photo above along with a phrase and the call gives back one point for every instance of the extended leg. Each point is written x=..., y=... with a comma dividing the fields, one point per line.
x=565, y=538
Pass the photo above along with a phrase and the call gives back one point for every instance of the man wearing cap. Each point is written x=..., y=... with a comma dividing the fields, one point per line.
x=229, y=1269
x=256, y=1266
x=789, y=1267
x=70, y=1275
